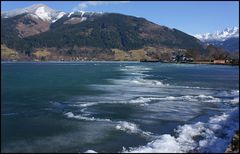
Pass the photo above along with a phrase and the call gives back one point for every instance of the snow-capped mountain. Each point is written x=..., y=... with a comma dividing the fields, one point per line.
x=88, y=34
x=228, y=39
x=38, y=10
x=219, y=36
x=46, y=13
x=39, y=18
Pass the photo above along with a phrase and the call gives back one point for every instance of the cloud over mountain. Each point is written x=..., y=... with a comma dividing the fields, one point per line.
x=84, y=5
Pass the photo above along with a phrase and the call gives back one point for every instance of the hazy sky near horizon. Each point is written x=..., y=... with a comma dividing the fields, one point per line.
x=191, y=17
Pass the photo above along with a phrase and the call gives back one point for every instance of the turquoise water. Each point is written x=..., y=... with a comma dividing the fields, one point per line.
x=117, y=107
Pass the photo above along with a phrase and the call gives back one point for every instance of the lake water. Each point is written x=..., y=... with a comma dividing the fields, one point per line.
x=118, y=107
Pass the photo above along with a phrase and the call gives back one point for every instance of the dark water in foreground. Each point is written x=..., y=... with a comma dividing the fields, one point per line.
x=118, y=107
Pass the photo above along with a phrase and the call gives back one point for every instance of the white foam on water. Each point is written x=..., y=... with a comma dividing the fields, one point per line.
x=144, y=100
x=138, y=74
x=205, y=98
x=140, y=100
x=148, y=82
x=80, y=117
x=232, y=93
x=235, y=100
x=87, y=104
x=137, y=100
x=213, y=136
x=132, y=128
x=125, y=126
x=90, y=151
x=165, y=144
x=202, y=98
x=137, y=68
x=190, y=87
x=235, y=92
x=139, y=82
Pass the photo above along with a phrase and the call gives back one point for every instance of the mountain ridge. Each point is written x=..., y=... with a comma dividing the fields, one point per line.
x=93, y=35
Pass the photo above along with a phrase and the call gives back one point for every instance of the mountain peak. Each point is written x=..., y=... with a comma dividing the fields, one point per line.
x=43, y=12
x=40, y=10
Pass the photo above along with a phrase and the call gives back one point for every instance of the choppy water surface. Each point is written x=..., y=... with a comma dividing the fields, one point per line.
x=118, y=107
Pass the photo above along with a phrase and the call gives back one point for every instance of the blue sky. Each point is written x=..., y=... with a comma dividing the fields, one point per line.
x=190, y=17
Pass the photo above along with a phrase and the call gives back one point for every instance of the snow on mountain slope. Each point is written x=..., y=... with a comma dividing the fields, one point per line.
x=60, y=15
x=45, y=13
x=219, y=36
x=42, y=11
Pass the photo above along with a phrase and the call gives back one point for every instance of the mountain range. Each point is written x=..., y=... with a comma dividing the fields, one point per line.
x=227, y=39
x=39, y=32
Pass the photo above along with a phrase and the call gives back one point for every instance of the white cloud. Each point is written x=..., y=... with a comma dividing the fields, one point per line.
x=85, y=5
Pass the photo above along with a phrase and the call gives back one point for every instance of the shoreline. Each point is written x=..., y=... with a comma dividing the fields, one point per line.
x=206, y=63
x=105, y=61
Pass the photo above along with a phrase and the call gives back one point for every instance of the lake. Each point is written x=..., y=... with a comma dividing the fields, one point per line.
x=118, y=107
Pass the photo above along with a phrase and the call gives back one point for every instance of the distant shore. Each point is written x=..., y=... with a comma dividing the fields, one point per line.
x=32, y=61
x=208, y=63
x=194, y=62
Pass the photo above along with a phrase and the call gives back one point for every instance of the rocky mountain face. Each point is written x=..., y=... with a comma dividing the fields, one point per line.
x=29, y=25
x=227, y=39
x=41, y=32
